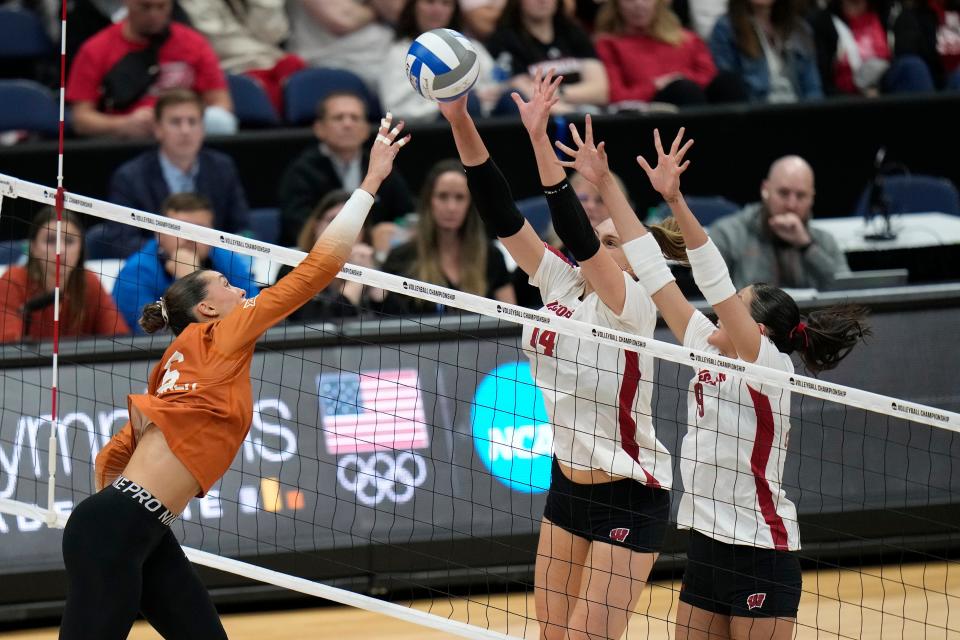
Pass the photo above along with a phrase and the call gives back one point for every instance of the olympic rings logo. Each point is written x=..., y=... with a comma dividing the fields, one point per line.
x=380, y=477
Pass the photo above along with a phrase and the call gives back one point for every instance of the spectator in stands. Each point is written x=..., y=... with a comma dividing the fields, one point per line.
x=26, y=292
x=534, y=34
x=770, y=47
x=772, y=241
x=702, y=15
x=396, y=94
x=147, y=274
x=948, y=39
x=338, y=162
x=451, y=247
x=341, y=34
x=119, y=73
x=480, y=17
x=341, y=298
x=179, y=164
x=869, y=47
x=247, y=36
x=650, y=57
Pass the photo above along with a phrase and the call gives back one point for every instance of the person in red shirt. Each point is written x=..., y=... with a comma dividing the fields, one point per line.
x=120, y=555
x=119, y=72
x=650, y=57
x=26, y=292
x=864, y=47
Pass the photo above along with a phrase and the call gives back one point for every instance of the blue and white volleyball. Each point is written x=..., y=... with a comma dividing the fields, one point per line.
x=442, y=65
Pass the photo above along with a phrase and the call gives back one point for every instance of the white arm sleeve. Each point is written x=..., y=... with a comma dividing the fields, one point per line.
x=648, y=263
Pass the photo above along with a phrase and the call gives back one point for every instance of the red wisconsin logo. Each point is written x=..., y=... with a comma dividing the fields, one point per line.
x=619, y=534
x=755, y=600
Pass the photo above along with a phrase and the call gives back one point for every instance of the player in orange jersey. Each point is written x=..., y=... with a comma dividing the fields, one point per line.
x=120, y=554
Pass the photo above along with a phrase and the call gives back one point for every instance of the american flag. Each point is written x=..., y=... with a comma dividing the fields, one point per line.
x=371, y=410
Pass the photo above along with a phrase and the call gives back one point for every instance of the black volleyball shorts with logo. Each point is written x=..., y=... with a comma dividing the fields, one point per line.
x=740, y=580
x=624, y=513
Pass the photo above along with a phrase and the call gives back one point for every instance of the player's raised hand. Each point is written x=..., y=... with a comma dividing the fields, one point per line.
x=385, y=148
x=665, y=177
x=589, y=159
x=535, y=112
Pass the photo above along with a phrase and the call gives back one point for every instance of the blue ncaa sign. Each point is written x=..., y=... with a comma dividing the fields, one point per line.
x=511, y=429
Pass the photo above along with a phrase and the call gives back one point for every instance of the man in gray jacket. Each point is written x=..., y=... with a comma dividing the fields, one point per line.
x=771, y=240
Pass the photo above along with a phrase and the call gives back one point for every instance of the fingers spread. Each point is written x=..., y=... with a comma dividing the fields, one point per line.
x=656, y=142
x=576, y=135
x=683, y=150
x=676, y=141
x=567, y=150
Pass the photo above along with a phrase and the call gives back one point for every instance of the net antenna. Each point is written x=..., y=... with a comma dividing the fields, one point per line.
x=58, y=205
x=803, y=385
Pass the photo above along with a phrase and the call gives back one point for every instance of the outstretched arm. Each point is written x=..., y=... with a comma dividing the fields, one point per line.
x=490, y=191
x=569, y=219
x=640, y=247
x=709, y=270
x=246, y=323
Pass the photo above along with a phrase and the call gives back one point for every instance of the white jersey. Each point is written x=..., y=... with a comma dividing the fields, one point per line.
x=732, y=456
x=597, y=396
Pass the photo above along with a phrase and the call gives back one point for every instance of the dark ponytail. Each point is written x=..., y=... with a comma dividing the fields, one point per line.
x=824, y=339
x=668, y=236
x=179, y=301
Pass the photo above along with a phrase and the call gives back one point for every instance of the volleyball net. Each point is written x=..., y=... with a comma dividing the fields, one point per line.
x=409, y=455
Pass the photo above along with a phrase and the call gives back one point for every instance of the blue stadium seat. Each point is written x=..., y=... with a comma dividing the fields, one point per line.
x=305, y=88
x=537, y=213
x=22, y=35
x=12, y=251
x=250, y=102
x=707, y=208
x=265, y=224
x=915, y=194
x=27, y=105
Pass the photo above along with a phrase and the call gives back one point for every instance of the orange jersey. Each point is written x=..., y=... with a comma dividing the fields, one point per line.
x=199, y=394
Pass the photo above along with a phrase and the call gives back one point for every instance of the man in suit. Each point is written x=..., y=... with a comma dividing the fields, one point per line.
x=180, y=164
x=339, y=162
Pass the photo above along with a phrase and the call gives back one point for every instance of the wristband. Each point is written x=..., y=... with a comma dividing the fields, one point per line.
x=710, y=273
x=650, y=267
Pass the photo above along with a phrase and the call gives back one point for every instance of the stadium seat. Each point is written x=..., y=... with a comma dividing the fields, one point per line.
x=22, y=35
x=27, y=105
x=915, y=194
x=265, y=224
x=707, y=208
x=250, y=102
x=12, y=251
x=305, y=88
x=537, y=213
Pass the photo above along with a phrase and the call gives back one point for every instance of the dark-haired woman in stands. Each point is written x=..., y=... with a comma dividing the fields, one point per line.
x=537, y=35
x=451, y=247
x=341, y=298
x=27, y=292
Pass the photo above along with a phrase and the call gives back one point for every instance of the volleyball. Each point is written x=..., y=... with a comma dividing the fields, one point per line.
x=442, y=65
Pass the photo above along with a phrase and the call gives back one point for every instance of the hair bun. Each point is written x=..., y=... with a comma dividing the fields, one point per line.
x=153, y=318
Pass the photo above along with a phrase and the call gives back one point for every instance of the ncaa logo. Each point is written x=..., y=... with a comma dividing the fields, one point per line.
x=755, y=600
x=511, y=430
